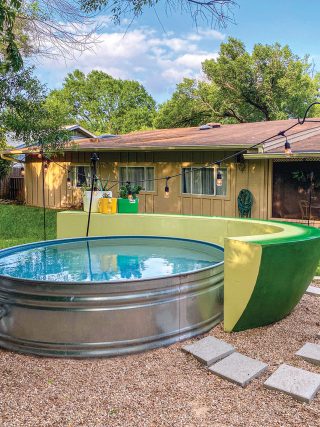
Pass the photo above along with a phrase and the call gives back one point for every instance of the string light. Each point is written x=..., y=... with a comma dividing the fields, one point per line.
x=22, y=171
x=68, y=182
x=130, y=196
x=166, y=189
x=219, y=180
x=287, y=148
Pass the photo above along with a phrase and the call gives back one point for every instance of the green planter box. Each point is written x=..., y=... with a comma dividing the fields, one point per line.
x=127, y=206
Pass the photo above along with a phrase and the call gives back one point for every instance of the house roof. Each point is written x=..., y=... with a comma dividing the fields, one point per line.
x=225, y=137
x=85, y=132
x=308, y=145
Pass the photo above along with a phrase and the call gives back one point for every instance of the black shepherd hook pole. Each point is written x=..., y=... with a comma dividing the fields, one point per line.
x=94, y=161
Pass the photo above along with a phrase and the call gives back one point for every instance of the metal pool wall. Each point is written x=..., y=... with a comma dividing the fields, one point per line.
x=108, y=318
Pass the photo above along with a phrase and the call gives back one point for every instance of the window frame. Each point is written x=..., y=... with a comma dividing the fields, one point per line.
x=154, y=191
x=77, y=165
x=200, y=195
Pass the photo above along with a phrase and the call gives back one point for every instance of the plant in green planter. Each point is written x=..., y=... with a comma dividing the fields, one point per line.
x=128, y=201
x=129, y=191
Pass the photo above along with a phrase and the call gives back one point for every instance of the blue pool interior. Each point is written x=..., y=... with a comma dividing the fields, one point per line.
x=111, y=259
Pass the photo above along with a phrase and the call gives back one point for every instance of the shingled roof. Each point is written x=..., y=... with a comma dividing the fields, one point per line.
x=224, y=137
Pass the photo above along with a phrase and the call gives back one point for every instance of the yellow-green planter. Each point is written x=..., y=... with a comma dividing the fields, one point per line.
x=268, y=265
x=128, y=206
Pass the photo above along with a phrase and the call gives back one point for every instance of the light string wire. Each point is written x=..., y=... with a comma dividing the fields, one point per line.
x=276, y=137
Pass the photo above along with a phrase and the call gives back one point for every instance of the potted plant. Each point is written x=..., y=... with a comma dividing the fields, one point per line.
x=98, y=191
x=107, y=203
x=128, y=201
x=86, y=195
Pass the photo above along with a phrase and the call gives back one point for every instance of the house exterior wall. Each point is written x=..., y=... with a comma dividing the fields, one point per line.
x=255, y=177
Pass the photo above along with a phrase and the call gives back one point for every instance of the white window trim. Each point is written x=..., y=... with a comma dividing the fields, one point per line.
x=145, y=167
x=215, y=171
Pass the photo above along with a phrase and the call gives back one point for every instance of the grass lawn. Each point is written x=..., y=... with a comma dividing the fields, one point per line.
x=23, y=224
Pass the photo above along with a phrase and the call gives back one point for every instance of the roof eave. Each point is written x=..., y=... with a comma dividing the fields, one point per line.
x=266, y=156
x=75, y=148
x=161, y=148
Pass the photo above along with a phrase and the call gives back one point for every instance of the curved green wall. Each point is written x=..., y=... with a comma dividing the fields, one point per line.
x=268, y=264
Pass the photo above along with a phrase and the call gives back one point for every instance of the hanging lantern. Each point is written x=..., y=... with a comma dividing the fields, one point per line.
x=166, y=189
x=22, y=171
x=287, y=148
x=219, y=181
x=45, y=165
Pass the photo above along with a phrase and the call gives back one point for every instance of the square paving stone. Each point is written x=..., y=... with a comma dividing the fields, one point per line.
x=238, y=368
x=310, y=352
x=298, y=383
x=209, y=349
x=313, y=290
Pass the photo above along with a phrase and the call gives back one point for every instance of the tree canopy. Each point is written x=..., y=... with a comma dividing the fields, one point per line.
x=102, y=103
x=271, y=83
x=55, y=27
x=23, y=112
x=219, y=11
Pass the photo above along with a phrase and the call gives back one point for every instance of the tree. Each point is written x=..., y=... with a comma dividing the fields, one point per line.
x=11, y=56
x=271, y=83
x=193, y=103
x=23, y=112
x=102, y=103
x=61, y=27
x=209, y=10
x=44, y=27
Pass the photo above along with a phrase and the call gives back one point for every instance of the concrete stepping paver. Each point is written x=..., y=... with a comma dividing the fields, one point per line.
x=310, y=352
x=313, y=290
x=238, y=368
x=298, y=383
x=209, y=350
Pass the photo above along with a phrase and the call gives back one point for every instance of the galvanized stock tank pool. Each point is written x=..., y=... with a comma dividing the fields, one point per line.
x=107, y=296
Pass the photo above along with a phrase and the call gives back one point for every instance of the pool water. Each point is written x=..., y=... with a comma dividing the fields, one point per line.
x=108, y=259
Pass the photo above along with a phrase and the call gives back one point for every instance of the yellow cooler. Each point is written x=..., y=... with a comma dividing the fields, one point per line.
x=108, y=205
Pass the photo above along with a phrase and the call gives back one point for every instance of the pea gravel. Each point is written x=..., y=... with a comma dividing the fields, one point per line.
x=164, y=387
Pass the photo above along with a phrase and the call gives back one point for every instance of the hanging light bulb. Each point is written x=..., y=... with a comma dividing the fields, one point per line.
x=22, y=171
x=166, y=189
x=68, y=182
x=129, y=191
x=219, y=181
x=287, y=148
x=39, y=155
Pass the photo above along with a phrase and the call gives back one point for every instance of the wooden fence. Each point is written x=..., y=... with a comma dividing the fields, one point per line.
x=12, y=186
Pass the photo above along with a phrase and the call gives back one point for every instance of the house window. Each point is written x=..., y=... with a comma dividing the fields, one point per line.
x=204, y=181
x=80, y=175
x=139, y=175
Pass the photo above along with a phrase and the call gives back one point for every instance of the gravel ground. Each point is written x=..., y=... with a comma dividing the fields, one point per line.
x=165, y=387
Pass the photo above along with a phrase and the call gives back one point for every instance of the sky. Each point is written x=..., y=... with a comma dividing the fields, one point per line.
x=160, y=48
